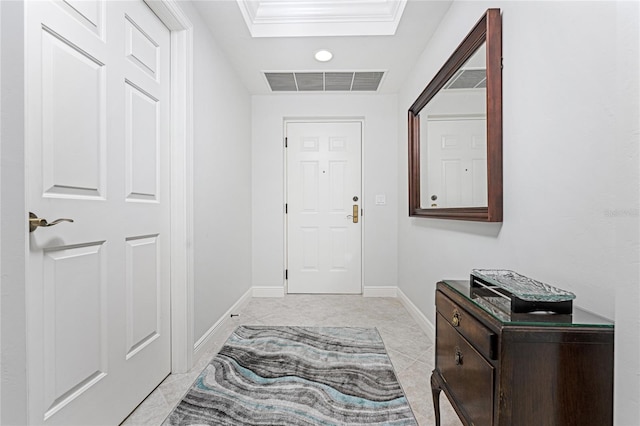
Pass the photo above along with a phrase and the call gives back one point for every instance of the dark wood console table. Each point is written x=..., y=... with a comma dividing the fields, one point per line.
x=501, y=368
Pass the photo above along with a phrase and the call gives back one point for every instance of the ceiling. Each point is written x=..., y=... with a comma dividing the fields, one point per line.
x=286, y=35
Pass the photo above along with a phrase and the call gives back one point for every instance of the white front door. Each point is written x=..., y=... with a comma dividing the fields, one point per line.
x=98, y=320
x=323, y=203
x=457, y=157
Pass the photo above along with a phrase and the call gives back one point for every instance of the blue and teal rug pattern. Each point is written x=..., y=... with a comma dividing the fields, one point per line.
x=297, y=376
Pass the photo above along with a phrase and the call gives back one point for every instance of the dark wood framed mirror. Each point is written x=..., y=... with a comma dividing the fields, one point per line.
x=455, y=132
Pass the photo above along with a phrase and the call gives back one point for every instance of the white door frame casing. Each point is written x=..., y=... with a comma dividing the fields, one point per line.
x=13, y=172
x=182, y=281
x=285, y=226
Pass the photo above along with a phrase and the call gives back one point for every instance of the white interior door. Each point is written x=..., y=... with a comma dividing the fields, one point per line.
x=457, y=158
x=98, y=320
x=323, y=192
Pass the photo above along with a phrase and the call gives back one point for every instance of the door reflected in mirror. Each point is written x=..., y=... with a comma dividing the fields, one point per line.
x=453, y=141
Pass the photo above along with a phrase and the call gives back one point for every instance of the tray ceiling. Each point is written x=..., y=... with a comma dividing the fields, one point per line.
x=308, y=18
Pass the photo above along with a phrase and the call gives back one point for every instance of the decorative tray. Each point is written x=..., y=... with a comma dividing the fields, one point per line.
x=525, y=294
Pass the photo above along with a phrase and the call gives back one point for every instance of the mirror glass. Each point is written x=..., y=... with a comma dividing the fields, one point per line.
x=455, y=132
x=453, y=140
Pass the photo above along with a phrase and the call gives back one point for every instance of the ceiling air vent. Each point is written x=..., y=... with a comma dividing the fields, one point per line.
x=338, y=81
x=468, y=79
x=281, y=81
x=310, y=81
x=365, y=81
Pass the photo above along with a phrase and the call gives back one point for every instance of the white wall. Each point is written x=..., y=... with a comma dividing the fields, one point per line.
x=0, y=215
x=571, y=169
x=222, y=181
x=380, y=177
x=13, y=224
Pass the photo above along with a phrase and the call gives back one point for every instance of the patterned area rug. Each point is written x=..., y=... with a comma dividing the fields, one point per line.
x=297, y=376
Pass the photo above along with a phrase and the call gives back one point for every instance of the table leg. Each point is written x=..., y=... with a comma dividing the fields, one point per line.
x=435, y=393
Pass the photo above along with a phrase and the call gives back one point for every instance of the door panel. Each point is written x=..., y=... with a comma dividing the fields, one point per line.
x=339, y=249
x=88, y=13
x=143, y=293
x=98, y=118
x=337, y=182
x=141, y=126
x=73, y=116
x=323, y=177
x=310, y=185
x=310, y=246
x=74, y=322
x=456, y=153
x=141, y=49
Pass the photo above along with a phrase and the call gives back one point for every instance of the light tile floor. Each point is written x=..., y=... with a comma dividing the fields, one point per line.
x=410, y=350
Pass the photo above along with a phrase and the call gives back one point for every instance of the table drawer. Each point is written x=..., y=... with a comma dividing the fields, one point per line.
x=466, y=373
x=482, y=338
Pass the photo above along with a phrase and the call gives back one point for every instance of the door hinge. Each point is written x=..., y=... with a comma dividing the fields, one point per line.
x=286, y=208
x=361, y=212
x=286, y=143
x=286, y=274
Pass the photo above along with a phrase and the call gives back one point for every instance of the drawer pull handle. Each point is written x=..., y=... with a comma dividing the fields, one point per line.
x=458, y=356
x=455, y=320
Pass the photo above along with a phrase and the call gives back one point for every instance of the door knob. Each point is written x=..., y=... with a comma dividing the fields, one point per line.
x=35, y=221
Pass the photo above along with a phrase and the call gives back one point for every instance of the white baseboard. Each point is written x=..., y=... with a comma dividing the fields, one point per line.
x=274, y=291
x=426, y=325
x=381, y=291
x=203, y=343
x=416, y=314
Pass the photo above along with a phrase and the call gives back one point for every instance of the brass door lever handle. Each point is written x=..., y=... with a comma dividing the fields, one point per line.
x=35, y=221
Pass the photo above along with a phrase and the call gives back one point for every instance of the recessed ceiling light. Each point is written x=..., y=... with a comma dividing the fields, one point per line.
x=323, y=55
